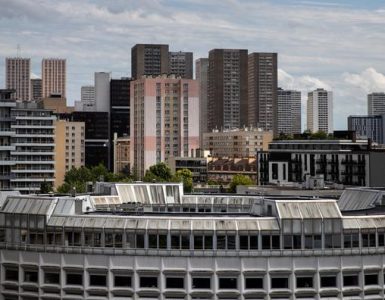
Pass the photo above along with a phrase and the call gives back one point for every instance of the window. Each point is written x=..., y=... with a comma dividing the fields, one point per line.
x=254, y=283
x=328, y=281
x=201, y=283
x=122, y=281
x=228, y=283
x=332, y=241
x=351, y=280
x=149, y=282
x=98, y=280
x=279, y=282
x=351, y=240
x=30, y=276
x=304, y=282
x=140, y=241
x=51, y=278
x=203, y=242
x=271, y=242
x=174, y=282
x=371, y=279
x=74, y=279
x=12, y=274
x=368, y=240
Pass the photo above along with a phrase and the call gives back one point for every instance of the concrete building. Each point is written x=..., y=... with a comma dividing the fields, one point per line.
x=36, y=89
x=346, y=162
x=87, y=99
x=181, y=64
x=201, y=75
x=227, y=89
x=214, y=247
x=34, y=143
x=7, y=103
x=102, y=91
x=149, y=59
x=236, y=143
x=54, y=77
x=17, y=76
x=288, y=112
x=69, y=148
x=196, y=163
x=376, y=104
x=161, y=124
x=56, y=103
x=262, y=91
x=121, y=154
x=320, y=111
x=222, y=170
x=368, y=127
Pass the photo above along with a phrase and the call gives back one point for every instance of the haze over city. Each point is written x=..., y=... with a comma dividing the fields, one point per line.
x=335, y=45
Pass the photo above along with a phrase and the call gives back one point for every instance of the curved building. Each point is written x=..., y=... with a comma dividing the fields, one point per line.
x=149, y=241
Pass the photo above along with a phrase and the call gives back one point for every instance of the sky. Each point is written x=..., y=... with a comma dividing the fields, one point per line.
x=336, y=45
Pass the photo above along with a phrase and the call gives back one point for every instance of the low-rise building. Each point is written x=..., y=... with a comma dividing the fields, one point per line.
x=121, y=154
x=237, y=143
x=368, y=127
x=222, y=170
x=347, y=162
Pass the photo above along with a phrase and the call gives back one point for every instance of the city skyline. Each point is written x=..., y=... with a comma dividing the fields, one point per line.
x=99, y=37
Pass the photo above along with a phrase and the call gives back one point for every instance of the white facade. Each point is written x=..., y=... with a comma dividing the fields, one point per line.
x=253, y=248
x=320, y=111
x=376, y=104
x=102, y=91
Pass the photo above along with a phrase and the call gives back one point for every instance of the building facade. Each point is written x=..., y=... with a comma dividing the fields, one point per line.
x=161, y=124
x=122, y=154
x=102, y=91
x=87, y=99
x=227, y=89
x=288, y=112
x=237, y=143
x=201, y=75
x=222, y=170
x=262, y=90
x=181, y=64
x=368, y=127
x=69, y=148
x=18, y=76
x=54, y=77
x=338, y=161
x=36, y=89
x=28, y=137
x=252, y=248
x=376, y=104
x=320, y=111
x=149, y=59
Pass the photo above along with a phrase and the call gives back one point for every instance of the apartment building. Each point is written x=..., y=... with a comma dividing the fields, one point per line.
x=288, y=112
x=181, y=64
x=376, y=104
x=17, y=76
x=201, y=75
x=320, y=111
x=161, y=122
x=54, y=77
x=149, y=59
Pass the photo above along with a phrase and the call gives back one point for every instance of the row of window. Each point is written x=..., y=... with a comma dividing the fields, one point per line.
x=349, y=279
x=202, y=242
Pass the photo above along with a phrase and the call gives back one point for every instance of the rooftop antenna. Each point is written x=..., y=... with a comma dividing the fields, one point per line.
x=18, y=50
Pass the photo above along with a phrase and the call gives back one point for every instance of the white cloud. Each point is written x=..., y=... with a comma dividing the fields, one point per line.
x=369, y=80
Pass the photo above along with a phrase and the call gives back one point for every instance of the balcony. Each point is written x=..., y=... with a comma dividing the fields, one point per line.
x=7, y=132
x=7, y=148
x=7, y=161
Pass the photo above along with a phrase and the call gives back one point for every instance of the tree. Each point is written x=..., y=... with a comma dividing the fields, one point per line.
x=158, y=173
x=185, y=176
x=319, y=135
x=45, y=187
x=239, y=179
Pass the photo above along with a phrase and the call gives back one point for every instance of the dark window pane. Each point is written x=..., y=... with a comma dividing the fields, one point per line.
x=185, y=242
x=201, y=283
x=74, y=279
x=279, y=283
x=266, y=242
x=52, y=278
x=275, y=242
x=253, y=242
x=221, y=242
x=98, y=280
x=198, y=242
x=350, y=280
x=175, y=283
x=12, y=274
x=153, y=241
x=30, y=276
x=304, y=282
x=244, y=242
x=297, y=244
x=122, y=281
x=228, y=283
x=287, y=242
x=328, y=281
x=253, y=283
x=208, y=242
x=317, y=242
x=162, y=241
x=231, y=242
x=371, y=279
x=175, y=242
x=148, y=282
x=140, y=241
